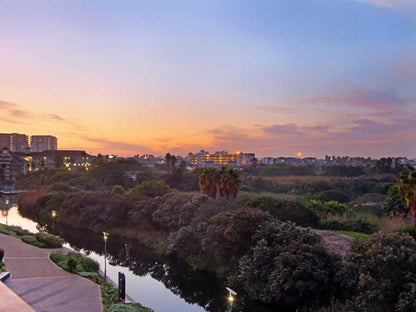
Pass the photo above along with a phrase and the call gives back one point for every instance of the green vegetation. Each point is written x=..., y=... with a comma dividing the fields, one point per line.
x=224, y=181
x=151, y=188
x=379, y=273
x=41, y=240
x=407, y=189
x=75, y=263
x=353, y=234
x=111, y=303
x=2, y=266
x=254, y=243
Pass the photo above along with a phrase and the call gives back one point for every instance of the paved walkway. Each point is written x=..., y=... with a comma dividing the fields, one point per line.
x=44, y=285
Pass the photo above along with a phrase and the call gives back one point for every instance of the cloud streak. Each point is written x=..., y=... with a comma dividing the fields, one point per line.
x=407, y=7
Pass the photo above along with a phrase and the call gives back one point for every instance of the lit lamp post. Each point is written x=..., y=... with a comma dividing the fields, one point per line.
x=105, y=255
x=230, y=298
x=53, y=221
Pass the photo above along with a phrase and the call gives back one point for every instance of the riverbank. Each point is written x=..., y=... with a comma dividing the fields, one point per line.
x=43, y=285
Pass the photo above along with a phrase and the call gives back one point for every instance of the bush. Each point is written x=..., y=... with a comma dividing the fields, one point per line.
x=282, y=209
x=1, y=254
x=50, y=241
x=288, y=267
x=75, y=262
x=331, y=208
x=31, y=239
x=151, y=188
x=352, y=225
x=57, y=257
x=380, y=273
x=13, y=230
x=409, y=229
x=72, y=264
x=333, y=195
x=121, y=307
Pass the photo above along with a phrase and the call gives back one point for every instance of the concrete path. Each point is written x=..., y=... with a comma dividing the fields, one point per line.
x=44, y=285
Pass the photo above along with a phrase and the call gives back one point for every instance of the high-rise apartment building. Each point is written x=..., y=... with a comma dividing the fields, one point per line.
x=40, y=143
x=14, y=142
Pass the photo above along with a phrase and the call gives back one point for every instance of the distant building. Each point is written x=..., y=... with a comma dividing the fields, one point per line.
x=205, y=159
x=40, y=143
x=68, y=159
x=247, y=158
x=14, y=142
x=11, y=166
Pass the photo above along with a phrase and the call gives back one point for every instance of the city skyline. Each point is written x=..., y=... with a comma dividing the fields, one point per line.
x=332, y=77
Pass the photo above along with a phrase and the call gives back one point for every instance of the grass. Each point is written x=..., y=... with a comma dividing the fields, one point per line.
x=353, y=234
x=280, y=196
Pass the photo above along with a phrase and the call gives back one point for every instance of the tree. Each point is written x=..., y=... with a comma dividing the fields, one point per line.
x=151, y=188
x=287, y=266
x=407, y=189
x=228, y=182
x=168, y=158
x=59, y=162
x=208, y=181
x=394, y=203
x=380, y=273
x=254, y=162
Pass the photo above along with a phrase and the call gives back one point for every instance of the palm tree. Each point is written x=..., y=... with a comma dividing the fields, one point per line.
x=229, y=182
x=208, y=181
x=168, y=158
x=407, y=189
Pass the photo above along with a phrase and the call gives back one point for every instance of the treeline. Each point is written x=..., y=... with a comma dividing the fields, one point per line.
x=355, y=186
x=246, y=242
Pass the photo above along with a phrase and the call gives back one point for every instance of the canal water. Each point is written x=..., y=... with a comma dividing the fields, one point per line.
x=165, y=285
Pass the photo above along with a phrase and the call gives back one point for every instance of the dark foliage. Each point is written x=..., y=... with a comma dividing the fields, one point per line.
x=380, y=274
x=283, y=210
x=287, y=266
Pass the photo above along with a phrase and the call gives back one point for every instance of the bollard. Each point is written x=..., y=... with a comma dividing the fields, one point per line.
x=121, y=287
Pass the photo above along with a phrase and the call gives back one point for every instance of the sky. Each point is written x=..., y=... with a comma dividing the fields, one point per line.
x=278, y=77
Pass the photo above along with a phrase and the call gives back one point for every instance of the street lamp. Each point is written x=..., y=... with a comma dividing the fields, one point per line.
x=230, y=298
x=105, y=255
x=53, y=221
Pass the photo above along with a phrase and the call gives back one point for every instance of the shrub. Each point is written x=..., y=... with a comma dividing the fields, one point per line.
x=13, y=230
x=117, y=189
x=409, y=229
x=333, y=195
x=121, y=307
x=72, y=264
x=57, y=257
x=1, y=254
x=380, y=273
x=152, y=188
x=50, y=241
x=351, y=225
x=331, y=208
x=287, y=266
x=31, y=239
x=228, y=234
x=282, y=209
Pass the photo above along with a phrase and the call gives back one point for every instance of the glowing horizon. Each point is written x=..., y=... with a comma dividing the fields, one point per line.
x=273, y=78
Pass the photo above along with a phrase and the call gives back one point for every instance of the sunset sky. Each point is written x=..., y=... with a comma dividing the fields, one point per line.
x=274, y=77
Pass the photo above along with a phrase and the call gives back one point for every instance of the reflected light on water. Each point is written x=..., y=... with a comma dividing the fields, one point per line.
x=14, y=218
x=144, y=289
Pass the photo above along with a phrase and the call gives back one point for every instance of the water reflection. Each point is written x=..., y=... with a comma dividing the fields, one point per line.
x=196, y=288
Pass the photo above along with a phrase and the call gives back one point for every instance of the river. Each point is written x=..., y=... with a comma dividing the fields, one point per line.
x=165, y=285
